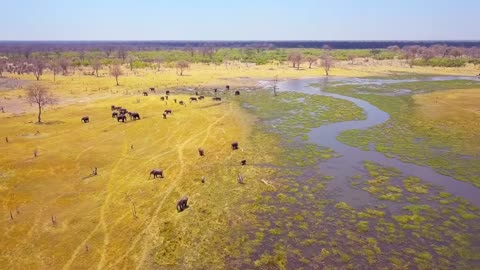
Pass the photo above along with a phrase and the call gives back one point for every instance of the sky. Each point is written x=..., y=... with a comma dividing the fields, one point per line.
x=239, y=20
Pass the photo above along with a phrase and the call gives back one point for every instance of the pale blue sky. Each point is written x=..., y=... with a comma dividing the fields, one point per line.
x=239, y=20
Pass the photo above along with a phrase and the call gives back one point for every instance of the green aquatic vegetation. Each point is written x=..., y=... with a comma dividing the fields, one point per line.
x=295, y=113
x=390, y=196
x=343, y=206
x=413, y=199
x=444, y=251
x=385, y=227
x=376, y=170
x=285, y=198
x=379, y=180
x=275, y=231
x=466, y=215
x=405, y=220
x=279, y=259
x=380, y=186
x=417, y=209
x=447, y=150
x=371, y=213
x=344, y=256
x=298, y=218
x=308, y=242
x=324, y=254
x=412, y=184
x=398, y=263
x=327, y=177
x=363, y=226
x=301, y=217
x=444, y=195
x=394, y=189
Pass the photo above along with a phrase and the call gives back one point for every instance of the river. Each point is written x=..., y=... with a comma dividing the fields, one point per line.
x=350, y=162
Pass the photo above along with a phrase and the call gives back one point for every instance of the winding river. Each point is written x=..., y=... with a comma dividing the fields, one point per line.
x=351, y=161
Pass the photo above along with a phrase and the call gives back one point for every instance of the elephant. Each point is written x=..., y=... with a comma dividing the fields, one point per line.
x=243, y=162
x=227, y=87
x=201, y=152
x=217, y=99
x=85, y=119
x=182, y=204
x=193, y=99
x=152, y=89
x=168, y=111
x=237, y=93
x=134, y=115
x=167, y=92
x=201, y=97
x=181, y=102
x=145, y=94
x=156, y=173
x=114, y=114
x=234, y=145
x=121, y=117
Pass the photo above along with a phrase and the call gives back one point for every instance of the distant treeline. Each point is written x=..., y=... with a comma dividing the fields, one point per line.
x=32, y=59
x=6, y=46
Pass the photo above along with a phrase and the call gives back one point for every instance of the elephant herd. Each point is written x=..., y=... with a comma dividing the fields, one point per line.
x=121, y=113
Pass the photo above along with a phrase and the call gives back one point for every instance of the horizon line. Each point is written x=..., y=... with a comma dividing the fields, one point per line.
x=242, y=40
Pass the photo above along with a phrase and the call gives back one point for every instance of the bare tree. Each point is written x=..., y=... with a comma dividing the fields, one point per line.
x=131, y=61
x=64, y=65
x=473, y=52
x=108, y=51
x=58, y=52
x=412, y=50
x=122, y=53
x=440, y=50
x=54, y=67
x=207, y=51
x=81, y=55
x=3, y=65
x=182, y=65
x=191, y=50
x=38, y=94
x=327, y=60
x=455, y=51
x=351, y=57
x=158, y=62
x=116, y=71
x=37, y=66
x=27, y=52
x=427, y=53
x=295, y=58
x=96, y=65
x=410, y=53
x=393, y=48
x=311, y=59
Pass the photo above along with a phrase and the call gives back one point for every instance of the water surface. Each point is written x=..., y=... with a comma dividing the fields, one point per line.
x=351, y=161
